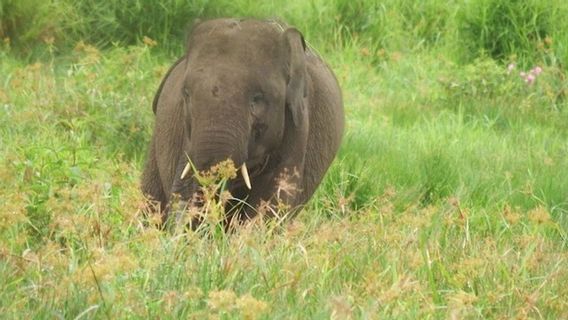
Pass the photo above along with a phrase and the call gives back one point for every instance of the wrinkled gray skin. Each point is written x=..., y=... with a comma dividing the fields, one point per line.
x=253, y=92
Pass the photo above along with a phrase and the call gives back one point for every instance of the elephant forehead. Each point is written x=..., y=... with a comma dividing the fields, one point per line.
x=244, y=44
x=236, y=52
x=225, y=80
x=230, y=72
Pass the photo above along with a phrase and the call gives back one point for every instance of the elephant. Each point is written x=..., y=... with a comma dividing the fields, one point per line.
x=251, y=91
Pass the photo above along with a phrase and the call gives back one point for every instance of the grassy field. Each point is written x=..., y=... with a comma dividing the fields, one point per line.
x=448, y=199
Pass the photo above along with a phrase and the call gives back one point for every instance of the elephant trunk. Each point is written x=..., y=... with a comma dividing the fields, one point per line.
x=213, y=145
x=208, y=147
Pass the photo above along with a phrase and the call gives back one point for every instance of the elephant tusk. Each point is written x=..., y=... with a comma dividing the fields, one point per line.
x=245, y=174
x=185, y=170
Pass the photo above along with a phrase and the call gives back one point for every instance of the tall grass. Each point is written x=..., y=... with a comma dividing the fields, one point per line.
x=448, y=197
x=503, y=30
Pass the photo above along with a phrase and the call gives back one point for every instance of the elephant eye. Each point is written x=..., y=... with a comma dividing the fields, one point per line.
x=186, y=92
x=258, y=131
x=258, y=98
x=257, y=104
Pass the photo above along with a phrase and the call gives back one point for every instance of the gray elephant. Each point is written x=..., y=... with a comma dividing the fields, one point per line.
x=253, y=92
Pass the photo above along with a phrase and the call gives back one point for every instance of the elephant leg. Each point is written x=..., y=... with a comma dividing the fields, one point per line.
x=151, y=183
x=275, y=195
x=185, y=193
x=180, y=186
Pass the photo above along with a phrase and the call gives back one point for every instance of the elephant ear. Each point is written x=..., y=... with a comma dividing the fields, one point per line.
x=163, y=83
x=293, y=51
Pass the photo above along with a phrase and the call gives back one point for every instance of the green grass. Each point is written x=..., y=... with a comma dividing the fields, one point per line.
x=448, y=199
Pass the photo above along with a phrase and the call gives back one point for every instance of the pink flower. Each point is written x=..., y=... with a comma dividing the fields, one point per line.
x=530, y=76
x=510, y=68
x=529, y=79
x=536, y=70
